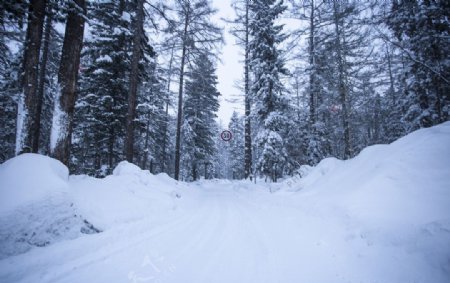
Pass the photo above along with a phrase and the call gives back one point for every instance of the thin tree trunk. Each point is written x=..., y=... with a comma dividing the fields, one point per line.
x=134, y=81
x=391, y=77
x=166, y=128
x=312, y=80
x=341, y=84
x=247, y=129
x=194, y=172
x=42, y=72
x=67, y=77
x=26, y=114
x=180, y=102
x=147, y=137
x=111, y=141
x=376, y=118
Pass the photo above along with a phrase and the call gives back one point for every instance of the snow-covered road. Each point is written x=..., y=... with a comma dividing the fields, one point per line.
x=223, y=231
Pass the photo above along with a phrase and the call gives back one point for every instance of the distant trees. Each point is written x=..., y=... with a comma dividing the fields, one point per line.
x=237, y=146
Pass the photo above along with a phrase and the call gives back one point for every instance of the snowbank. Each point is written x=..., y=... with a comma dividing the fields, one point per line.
x=408, y=179
x=39, y=205
x=130, y=194
x=390, y=197
x=29, y=178
x=36, y=208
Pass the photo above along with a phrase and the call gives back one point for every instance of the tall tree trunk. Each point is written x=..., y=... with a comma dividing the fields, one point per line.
x=194, y=171
x=67, y=78
x=391, y=77
x=312, y=76
x=166, y=124
x=247, y=129
x=26, y=114
x=42, y=72
x=146, y=144
x=180, y=101
x=376, y=119
x=134, y=80
x=342, y=89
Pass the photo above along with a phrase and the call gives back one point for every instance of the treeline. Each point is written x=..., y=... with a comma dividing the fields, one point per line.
x=95, y=82
x=351, y=74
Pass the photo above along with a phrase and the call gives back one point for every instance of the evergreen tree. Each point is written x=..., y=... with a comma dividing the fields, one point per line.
x=195, y=34
x=421, y=28
x=12, y=18
x=151, y=121
x=200, y=107
x=102, y=106
x=270, y=106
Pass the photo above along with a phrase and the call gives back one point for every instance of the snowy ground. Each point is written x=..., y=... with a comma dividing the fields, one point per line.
x=383, y=216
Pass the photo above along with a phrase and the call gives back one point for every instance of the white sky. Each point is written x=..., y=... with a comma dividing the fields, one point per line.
x=230, y=69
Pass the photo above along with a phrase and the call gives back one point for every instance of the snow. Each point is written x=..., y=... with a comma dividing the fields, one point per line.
x=104, y=58
x=59, y=122
x=35, y=206
x=22, y=115
x=126, y=17
x=382, y=216
x=29, y=178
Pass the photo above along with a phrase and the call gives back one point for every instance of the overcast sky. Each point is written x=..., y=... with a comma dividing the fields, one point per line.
x=231, y=68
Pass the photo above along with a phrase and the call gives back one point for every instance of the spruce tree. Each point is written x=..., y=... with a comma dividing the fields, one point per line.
x=200, y=107
x=105, y=68
x=421, y=29
x=270, y=106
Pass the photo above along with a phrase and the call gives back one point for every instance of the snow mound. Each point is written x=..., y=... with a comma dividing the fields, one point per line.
x=407, y=179
x=394, y=195
x=125, y=168
x=129, y=195
x=36, y=208
x=29, y=178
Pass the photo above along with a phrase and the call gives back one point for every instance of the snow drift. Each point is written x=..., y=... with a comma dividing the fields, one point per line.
x=40, y=206
x=36, y=208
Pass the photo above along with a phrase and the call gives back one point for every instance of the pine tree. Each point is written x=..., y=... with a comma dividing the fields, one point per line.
x=270, y=106
x=197, y=35
x=12, y=17
x=152, y=121
x=102, y=106
x=421, y=28
x=200, y=107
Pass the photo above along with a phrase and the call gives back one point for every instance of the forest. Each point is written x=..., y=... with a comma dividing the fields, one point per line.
x=95, y=82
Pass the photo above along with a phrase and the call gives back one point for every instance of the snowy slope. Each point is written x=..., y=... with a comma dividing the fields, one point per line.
x=383, y=216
